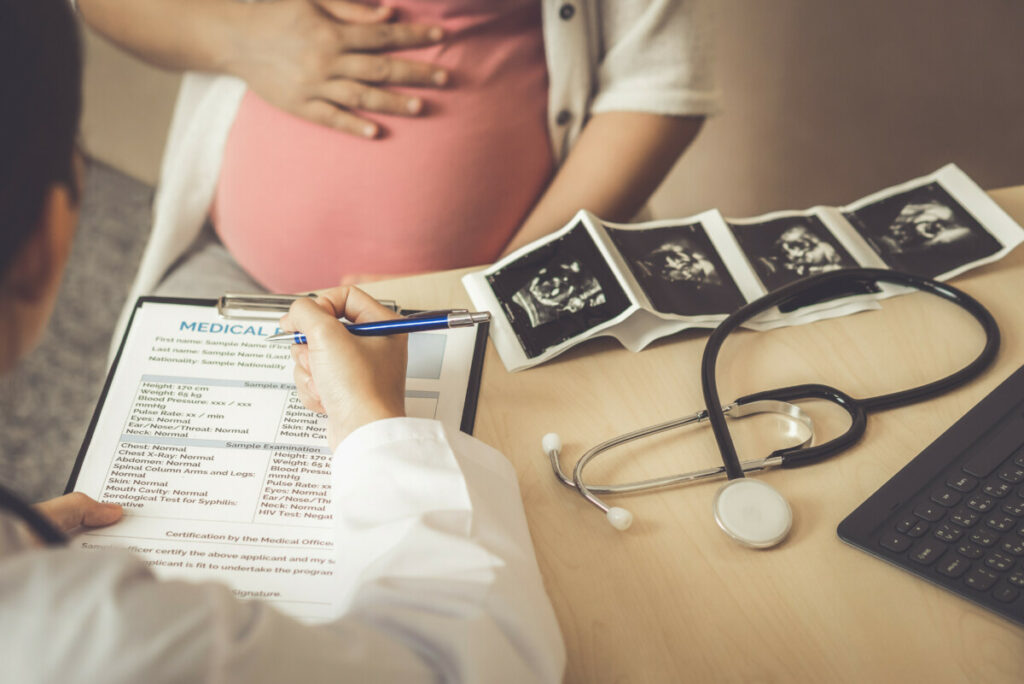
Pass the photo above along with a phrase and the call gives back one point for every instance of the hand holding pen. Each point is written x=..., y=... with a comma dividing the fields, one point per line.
x=354, y=379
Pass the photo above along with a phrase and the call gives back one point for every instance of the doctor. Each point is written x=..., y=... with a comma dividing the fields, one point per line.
x=437, y=580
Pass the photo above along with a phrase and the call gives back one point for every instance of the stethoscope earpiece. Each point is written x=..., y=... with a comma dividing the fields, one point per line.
x=620, y=518
x=552, y=444
x=752, y=512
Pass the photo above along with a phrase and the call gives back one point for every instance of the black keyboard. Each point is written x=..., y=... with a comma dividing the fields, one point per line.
x=955, y=514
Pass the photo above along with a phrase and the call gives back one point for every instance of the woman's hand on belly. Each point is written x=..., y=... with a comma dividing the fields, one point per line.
x=317, y=59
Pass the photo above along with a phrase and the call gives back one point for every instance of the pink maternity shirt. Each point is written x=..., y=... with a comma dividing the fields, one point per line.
x=301, y=206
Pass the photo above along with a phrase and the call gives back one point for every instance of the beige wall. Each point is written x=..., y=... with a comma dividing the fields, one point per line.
x=824, y=101
x=128, y=109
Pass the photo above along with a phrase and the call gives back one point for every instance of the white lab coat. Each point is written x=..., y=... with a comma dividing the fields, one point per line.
x=436, y=581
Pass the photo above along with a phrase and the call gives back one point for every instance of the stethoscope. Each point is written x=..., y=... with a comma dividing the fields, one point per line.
x=751, y=511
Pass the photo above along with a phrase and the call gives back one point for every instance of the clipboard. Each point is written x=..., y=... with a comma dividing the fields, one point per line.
x=222, y=472
x=257, y=312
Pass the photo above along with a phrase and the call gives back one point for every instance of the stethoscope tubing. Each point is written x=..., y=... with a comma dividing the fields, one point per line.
x=741, y=408
x=862, y=276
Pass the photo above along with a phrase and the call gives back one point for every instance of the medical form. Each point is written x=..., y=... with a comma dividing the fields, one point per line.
x=222, y=472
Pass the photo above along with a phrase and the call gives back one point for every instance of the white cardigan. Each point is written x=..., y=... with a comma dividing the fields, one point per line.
x=436, y=581
x=602, y=55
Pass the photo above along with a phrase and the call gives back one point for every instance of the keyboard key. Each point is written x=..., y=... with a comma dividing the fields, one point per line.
x=1012, y=474
x=984, y=537
x=1017, y=578
x=918, y=529
x=999, y=561
x=1018, y=458
x=980, y=578
x=1014, y=507
x=980, y=503
x=1000, y=522
x=964, y=517
x=946, y=497
x=1005, y=593
x=931, y=512
x=970, y=550
x=907, y=523
x=927, y=551
x=996, y=488
x=948, y=533
x=953, y=565
x=1013, y=546
x=962, y=482
x=895, y=541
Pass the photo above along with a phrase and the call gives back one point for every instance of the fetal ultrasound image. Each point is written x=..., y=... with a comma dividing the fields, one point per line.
x=786, y=249
x=679, y=269
x=558, y=291
x=923, y=231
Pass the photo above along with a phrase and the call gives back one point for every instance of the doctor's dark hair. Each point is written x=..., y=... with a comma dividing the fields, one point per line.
x=40, y=106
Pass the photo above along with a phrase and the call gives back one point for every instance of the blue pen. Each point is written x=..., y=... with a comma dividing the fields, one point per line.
x=436, y=320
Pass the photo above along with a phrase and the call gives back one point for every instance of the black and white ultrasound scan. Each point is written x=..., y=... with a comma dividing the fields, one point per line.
x=786, y=249
x=679, y=269
x=557, y=292
x=591, y=277
x=924, y=231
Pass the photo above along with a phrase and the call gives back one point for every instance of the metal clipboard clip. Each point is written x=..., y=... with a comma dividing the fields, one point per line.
x=266, y=306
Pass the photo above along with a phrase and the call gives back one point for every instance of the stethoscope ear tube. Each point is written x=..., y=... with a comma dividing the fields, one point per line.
x=829, y=281
x=794, y=456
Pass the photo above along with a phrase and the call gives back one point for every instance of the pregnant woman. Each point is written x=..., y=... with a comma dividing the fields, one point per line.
x=322, y=141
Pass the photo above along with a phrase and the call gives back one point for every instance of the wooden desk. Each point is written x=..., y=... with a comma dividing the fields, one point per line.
x=673, y=599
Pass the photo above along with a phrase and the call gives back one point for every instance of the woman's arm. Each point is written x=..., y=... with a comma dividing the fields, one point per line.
x=312, y=58
x=617, y=163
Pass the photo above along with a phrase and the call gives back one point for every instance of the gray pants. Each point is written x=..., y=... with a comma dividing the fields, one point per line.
x=206, y=270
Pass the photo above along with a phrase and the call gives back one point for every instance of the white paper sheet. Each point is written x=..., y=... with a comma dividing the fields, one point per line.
x=222, y=472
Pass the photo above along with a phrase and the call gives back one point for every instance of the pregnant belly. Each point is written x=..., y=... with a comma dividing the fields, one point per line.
x=302, y=207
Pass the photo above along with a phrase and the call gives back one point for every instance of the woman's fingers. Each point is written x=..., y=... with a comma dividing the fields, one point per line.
x=354, y=304
x=304, y=385
x=354, y=95
x=309, y=58
x=363, y=37
x=333, y=116
x=375, y=68
x=76, y=510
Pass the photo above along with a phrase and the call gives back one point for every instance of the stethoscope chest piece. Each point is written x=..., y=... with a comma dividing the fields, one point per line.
x=752, y=512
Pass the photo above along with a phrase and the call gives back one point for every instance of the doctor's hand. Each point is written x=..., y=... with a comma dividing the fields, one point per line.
x=323, y=60
x=355, y=380
x=75, y=510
